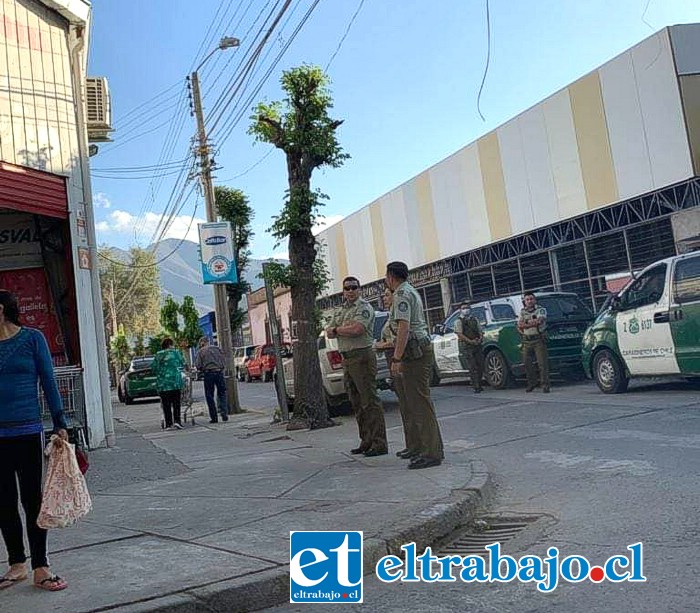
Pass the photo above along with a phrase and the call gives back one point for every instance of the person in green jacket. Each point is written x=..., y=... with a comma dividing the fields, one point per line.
x=167, y=368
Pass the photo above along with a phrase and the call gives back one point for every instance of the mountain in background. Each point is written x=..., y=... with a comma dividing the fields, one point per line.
x=181, y=272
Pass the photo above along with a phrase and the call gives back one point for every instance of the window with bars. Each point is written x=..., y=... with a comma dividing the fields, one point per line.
x=482, y=284
x=537, y=272
x=607, y=254
x=650, y=242
x=460, y=288
x=571, y=263
x=432, y=301
x=507, y=277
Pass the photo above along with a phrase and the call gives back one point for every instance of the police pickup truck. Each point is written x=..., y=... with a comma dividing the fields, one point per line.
x=651, y=328
x=567, y=319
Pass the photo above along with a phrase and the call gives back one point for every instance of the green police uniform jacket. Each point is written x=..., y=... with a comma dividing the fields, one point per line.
x=407, y=306
x=361, y=312
x=533, y=334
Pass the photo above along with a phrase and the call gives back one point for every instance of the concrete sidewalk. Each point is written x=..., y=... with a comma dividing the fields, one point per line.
x=215, y=537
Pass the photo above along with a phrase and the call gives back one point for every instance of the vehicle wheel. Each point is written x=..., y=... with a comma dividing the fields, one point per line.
x=609, y=373
x=248, y=378
x=267, y=376
x=120, y=395
x=128, y=399
x=497, y=372
x=434, y=376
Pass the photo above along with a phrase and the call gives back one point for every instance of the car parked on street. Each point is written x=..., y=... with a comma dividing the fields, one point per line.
x=331, y=363
x=567, y=319
x=138, y=381
x=652, y=328
x=261, y=365
x=240, y=355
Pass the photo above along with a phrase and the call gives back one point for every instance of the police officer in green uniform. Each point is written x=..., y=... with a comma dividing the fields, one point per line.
x=352, y=324
x=532, y=324
x=410, y=368
x=388, y=334
x=471, y=355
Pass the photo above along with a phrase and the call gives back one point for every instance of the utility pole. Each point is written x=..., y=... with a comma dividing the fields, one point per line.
x=223, y=320
x=280, y=383
x=113, y=313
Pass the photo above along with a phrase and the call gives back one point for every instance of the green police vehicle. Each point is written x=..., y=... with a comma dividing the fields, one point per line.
x=651, y=329
x=567, y=319
x=139, y=381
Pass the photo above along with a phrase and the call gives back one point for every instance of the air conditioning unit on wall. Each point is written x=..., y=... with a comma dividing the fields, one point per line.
x=99, y=110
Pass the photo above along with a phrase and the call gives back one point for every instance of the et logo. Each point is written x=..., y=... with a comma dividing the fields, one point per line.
x=325, y=567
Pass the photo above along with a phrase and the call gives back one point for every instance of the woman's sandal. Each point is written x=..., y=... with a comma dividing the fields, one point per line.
x=52, y=584
x=7, y=582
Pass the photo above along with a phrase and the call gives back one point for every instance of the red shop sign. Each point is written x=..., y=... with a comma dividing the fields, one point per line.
x=36, y=309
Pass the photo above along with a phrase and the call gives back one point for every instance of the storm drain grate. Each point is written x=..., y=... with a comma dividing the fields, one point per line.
x=483, y=532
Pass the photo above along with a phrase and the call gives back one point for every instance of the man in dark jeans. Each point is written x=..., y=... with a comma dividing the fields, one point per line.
x=212, y=362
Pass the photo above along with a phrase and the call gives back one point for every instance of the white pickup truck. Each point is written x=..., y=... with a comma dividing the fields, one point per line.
x=331, y=363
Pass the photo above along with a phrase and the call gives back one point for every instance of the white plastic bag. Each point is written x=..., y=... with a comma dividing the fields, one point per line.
x=66, y=498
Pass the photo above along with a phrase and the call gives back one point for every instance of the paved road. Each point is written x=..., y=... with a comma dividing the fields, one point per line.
x=601, y=471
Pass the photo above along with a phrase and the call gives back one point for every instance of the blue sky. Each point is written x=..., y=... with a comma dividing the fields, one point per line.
x=405, y=81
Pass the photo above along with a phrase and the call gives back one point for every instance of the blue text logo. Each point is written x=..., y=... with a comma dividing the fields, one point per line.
x=325, y=566
x=215, y=240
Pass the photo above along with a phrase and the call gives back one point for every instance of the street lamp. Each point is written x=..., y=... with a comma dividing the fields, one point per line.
x=223, y=321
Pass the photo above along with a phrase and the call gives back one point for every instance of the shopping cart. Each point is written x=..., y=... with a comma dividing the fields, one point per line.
x=70, y=388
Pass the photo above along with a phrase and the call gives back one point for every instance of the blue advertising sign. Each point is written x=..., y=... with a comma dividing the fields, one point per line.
x=216, y=251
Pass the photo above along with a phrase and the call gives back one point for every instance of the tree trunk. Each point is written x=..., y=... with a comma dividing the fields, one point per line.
x=309, y=400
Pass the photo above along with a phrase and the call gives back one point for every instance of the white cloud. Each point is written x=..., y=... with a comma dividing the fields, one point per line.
x=101, y=201
x=144, y=228
x=325, y=222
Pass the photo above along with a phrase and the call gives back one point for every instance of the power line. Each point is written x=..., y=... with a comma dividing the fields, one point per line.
x=232, y=56
x=156, y=108
x=488, y=60
x=264, y=79
x=150, y=100
x=203, y=44
x=342, y=40
x=121, y=177
x=247, y=170
x=156, y=263
x=644, y=12
x=228, y=29
x=169, y=164
x=254, y=51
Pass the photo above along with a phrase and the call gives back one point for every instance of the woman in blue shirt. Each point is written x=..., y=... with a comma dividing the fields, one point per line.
x=24, y=361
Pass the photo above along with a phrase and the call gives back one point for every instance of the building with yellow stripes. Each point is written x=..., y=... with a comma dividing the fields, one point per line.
x=593, y=183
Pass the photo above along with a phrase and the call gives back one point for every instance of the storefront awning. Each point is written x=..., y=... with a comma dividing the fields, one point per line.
x=33, y=191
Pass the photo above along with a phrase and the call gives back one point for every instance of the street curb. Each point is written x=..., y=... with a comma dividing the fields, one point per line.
x=270, y=587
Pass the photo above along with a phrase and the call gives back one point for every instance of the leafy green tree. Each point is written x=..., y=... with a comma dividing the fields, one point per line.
x=130, y=288
x=120, y=350
x=301, y=127
x=139, y=346
x=191, y=332
x=232, y=205
x=170, y=318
